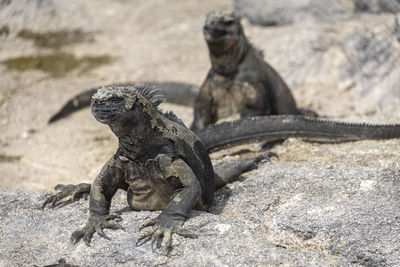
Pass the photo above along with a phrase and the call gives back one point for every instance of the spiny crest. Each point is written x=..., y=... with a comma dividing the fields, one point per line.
x=129, y=93
x=150, y=93
x=171, y=115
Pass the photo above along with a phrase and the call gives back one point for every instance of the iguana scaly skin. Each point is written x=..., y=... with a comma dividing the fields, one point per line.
x=239, y=81
x=273, y=128
x=164, y=166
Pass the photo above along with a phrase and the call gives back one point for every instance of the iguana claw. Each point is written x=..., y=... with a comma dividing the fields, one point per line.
x=163, y=228
x=75, y=191
x=96, y=224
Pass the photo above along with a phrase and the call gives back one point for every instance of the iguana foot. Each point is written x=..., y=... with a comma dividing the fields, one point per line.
x=252, y=163
x=96, y=224
x=75, y=191
x=163, y=228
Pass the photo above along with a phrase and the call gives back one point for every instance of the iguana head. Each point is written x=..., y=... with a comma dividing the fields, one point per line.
x=226, y=41
x=116, y=103
x=223, y=29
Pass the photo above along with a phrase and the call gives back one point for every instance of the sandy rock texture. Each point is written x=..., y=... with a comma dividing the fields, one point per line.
x=318, y=205
x=327, y=210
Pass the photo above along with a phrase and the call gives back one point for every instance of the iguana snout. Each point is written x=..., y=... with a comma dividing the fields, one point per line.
x=105, y=111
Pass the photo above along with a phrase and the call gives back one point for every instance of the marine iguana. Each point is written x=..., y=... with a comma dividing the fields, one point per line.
x=164, y=166
x=159, y=162
x=239, y=81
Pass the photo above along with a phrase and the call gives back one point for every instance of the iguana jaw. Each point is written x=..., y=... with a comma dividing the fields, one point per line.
x=109, y=103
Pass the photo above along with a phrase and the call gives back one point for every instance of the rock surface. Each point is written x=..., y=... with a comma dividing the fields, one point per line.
x=271, y=13
x=377, y=6
x=335, y=205
x=319, y=205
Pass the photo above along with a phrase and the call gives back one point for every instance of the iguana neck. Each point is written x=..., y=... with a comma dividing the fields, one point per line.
x=225, y=59
x=137, y=143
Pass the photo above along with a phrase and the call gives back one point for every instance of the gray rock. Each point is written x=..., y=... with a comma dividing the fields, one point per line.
x=337, y=208
x=270, y=12
x=356, y=57
x=377, y=6
x=351, y=62
x=33, y=237
x=372, y=56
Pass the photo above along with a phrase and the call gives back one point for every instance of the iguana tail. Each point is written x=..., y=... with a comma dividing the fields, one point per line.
x=272, y=128
x=175, y=92
x=78, y=102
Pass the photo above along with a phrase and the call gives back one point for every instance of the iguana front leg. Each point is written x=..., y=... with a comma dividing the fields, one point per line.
x=75, y=191
x=205, y=109
x=103, y=189
x=174, y=215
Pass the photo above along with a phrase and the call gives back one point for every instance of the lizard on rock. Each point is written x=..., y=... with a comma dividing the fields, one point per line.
x=159, y=162
x=239, y=81
x=164, y=166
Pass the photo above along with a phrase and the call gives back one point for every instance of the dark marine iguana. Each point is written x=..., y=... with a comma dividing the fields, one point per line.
x=164, y=166
x=159, y=162
x=239, y=81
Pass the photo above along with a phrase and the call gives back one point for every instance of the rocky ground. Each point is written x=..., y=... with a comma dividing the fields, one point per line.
x=319, y=205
